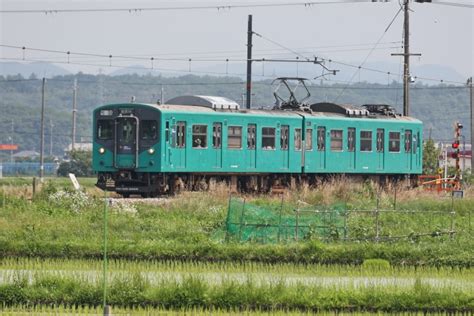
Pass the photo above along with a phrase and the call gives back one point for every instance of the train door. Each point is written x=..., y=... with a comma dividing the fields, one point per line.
x=126, y=142
x=321, y=148
x=380, y=149
x=351, y=141
x=251, y=146
x=217, y=144
x=416, y=151
x=408, y=155
x=284, y=144
x=177, y=156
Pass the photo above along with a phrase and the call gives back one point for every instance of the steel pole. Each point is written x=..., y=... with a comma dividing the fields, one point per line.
x=249, y=63
x=406, y=66
x=470, y=83
x=42, y=130
x=74, y=113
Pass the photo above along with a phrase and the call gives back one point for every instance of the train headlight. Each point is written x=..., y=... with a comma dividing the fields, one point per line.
x=101, y=150
x=151, y=151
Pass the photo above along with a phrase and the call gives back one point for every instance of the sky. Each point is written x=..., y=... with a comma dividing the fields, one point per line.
x=344, y=32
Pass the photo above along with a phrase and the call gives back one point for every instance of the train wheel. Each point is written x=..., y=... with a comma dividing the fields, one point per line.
x=126, y=195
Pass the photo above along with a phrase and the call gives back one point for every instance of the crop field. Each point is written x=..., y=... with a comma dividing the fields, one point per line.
x=172, y=254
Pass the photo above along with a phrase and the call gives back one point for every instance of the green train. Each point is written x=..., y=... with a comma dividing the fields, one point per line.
x=193, y=142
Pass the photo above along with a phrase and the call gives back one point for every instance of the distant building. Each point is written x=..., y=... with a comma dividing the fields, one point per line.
x=26, y=154
x=78, y=146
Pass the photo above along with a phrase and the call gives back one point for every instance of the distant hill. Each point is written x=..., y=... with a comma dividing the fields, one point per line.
x=40, y=69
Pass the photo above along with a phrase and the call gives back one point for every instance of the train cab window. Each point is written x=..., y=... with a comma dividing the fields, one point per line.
x=394, y=142
x=415, y=142
x=234, y=137
x=105, y=129
x=309, y=139
x=180, y=134
x=380, y=140
x=148, y=130
x=336, y=140
x=408, y=141
x=366, y=141
x=297, y=138
x=216, y=135
x=284, y=133
x=351, y=138
x=321, y=138
x=199, y=136
x=251, y=136
x=268, y=138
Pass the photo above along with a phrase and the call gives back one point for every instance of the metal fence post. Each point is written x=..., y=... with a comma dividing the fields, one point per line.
x=241, y=221
x=346, y=213
x=451, y=233
x=4, y=196
x=395, y=197
x=34, y=187
x=279, y=221
x=227, y=221
x=377, y=228
x=296, y=224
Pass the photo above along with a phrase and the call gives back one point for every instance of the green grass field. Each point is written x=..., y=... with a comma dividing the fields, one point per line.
x=51, y=246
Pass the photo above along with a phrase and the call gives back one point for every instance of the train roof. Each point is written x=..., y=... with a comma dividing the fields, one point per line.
x=196, y=109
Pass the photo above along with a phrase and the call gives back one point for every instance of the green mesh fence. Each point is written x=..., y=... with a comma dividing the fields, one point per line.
x=279, y=222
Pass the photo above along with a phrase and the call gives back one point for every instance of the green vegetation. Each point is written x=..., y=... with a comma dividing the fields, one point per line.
x=80, y=164
x=171, y=253
x=430, y=157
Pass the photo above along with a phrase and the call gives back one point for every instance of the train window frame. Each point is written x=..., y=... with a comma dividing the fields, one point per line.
x=351, y=139
x=394, y=142
x=99, y=133
x=321, y=138
x=251, y=136
x=308, y=140
x=268, y=138
x=298, y=139
x=336, y=140
x=408, y=140
x=364, y=139
x=216, y=135
x=199, y=136
x=284, y=137
x=380, y=141
x=416, y=137
x=180, y=134
x=233, y=135
x=143, y=123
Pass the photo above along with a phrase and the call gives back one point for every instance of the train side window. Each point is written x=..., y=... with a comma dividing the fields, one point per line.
x=268, y=137
x=251, y=136
x=351, y=138
x=216, y=135
x=394, y=142
x=148, y=130
x=321, y=138
x=167, y=131
x=199, y=136
x=180, y=134
x=297, y=138
x=234, y=137
x=415, y=142
x=408, y=141
x=105, y=129
x=380, y=140
x=309, y=139
x=284, y=133
x=366, y=141
x=336, y=140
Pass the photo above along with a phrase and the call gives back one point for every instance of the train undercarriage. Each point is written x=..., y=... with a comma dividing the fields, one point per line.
x=127, y=183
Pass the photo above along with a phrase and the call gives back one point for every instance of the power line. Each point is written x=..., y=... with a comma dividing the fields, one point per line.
x=182, y=8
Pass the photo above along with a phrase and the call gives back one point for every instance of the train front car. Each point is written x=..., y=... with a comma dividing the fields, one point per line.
x=126, y=148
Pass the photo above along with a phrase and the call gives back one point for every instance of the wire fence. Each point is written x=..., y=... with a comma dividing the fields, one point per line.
x=281, y=223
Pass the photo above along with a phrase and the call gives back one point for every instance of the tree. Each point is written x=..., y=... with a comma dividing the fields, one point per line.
x=430, y=157
x=80, y=164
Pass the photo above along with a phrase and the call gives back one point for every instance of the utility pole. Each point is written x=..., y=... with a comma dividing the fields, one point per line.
x=406, y=60
x=42, y=131
x=74, y=113
x=51, y=137
x=11, y=140
x=470, y=84
x=249, y=63
x=162, y=95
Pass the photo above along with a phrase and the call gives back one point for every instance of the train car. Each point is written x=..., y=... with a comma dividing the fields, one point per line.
x=193, y=142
